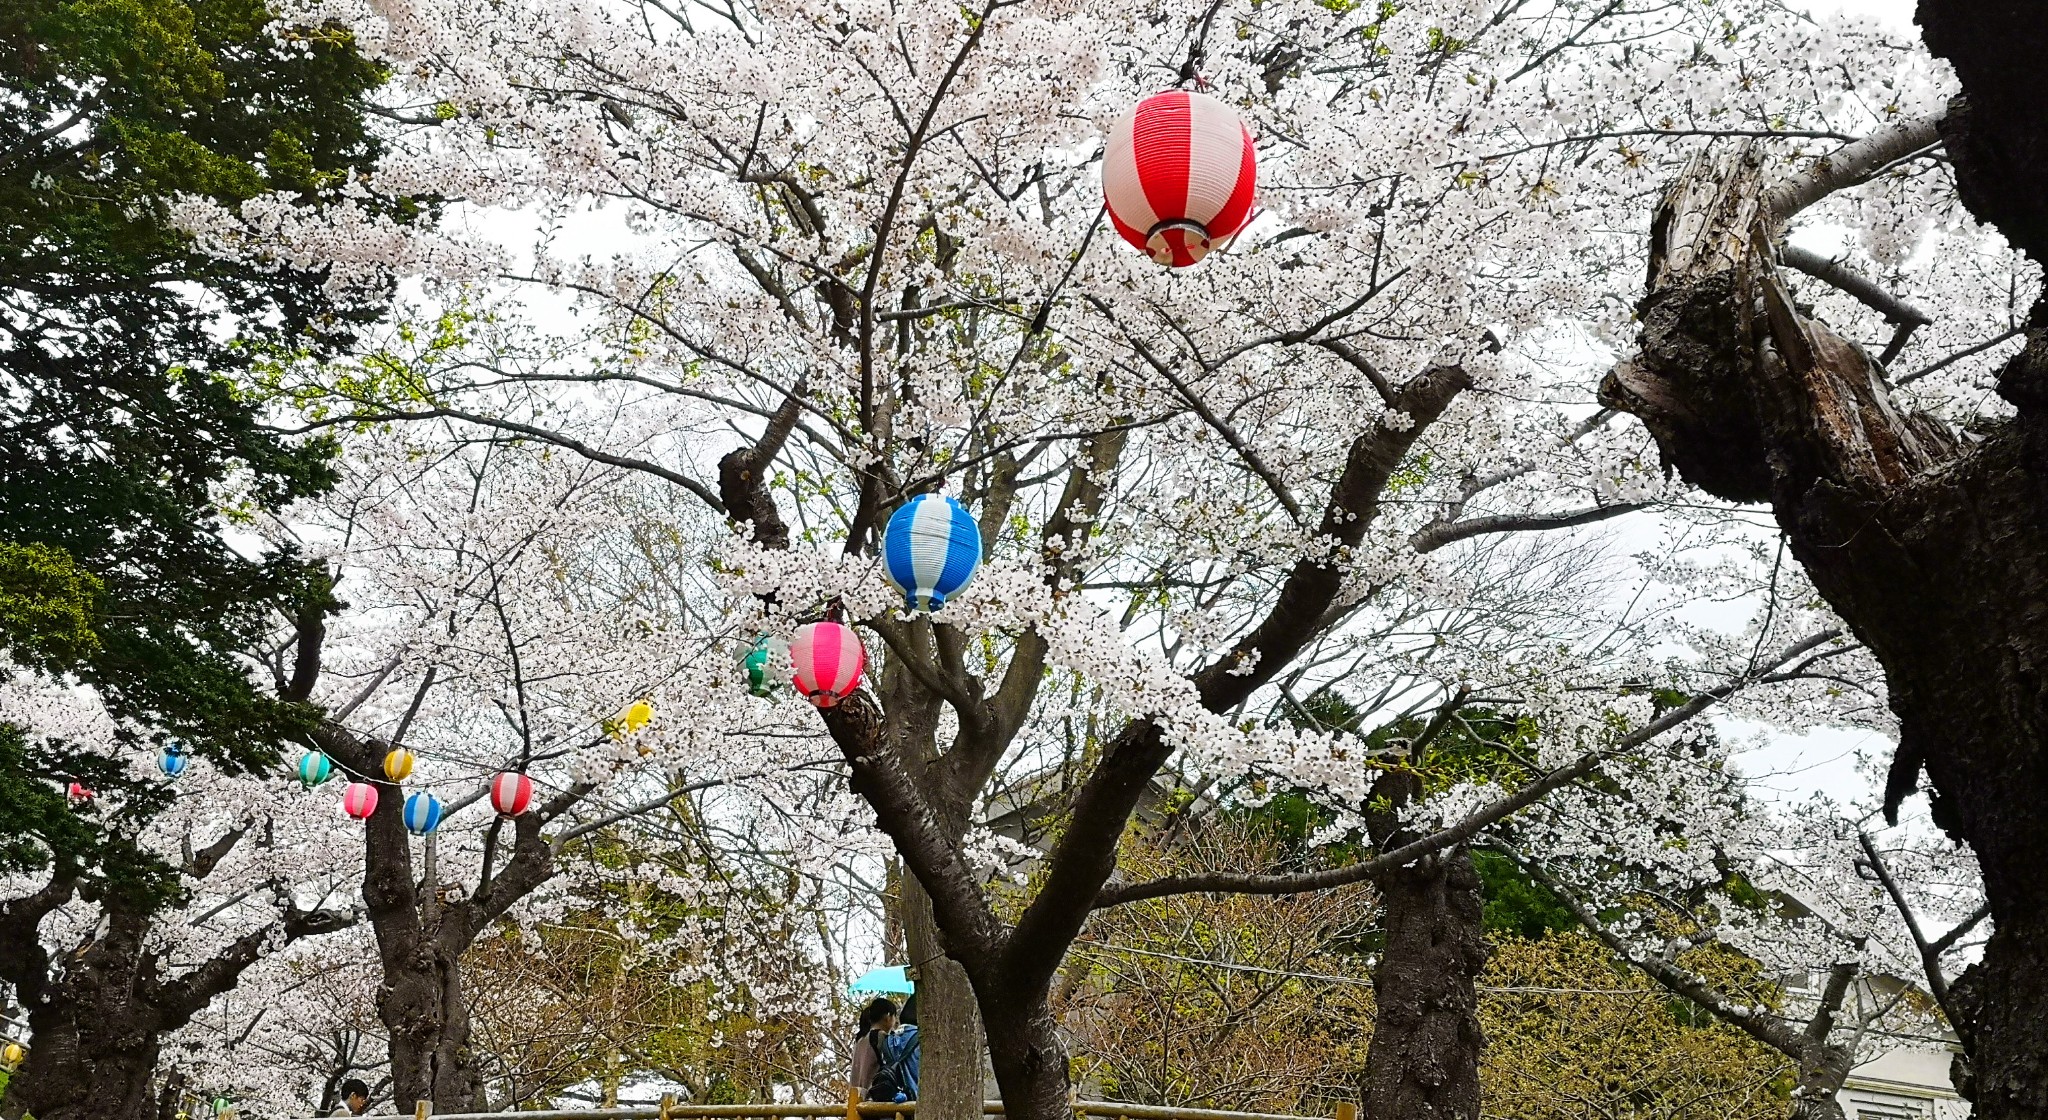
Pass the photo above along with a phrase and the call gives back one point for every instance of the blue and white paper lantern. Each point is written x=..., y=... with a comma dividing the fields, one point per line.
x=930, y=550
x=172, y=759
x=422, y=813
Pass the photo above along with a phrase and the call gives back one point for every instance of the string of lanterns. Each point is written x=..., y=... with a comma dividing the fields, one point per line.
x=931, y=549
x=511, y=792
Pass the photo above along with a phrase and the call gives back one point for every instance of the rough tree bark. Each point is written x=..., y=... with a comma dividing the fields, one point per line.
x=1933, y=550
x=1423, y=1062
x=949, y=1024
x=99, y=1021
x=949, y=1027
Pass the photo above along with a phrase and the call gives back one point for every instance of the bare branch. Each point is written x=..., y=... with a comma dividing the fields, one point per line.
x=531, y=432
x=1851, y=164
x=1930, y=956
x=648, y=806
x=1432, y=537
x=1832, y=271
x=1754, y=1020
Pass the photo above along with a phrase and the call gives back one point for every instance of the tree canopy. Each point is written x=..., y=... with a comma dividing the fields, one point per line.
x=128, y=451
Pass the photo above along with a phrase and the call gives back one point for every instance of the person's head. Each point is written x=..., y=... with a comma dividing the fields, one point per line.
x=880, y=1012
x=355, y=1095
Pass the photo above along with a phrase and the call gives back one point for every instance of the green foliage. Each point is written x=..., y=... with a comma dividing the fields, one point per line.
x=1571, y=1032
x=45, y=831
x=1414, y=472
x=47, y=605
x=1517, y=905
x=122, y=352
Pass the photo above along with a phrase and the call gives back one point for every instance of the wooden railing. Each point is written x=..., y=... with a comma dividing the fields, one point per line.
x=857, y=1109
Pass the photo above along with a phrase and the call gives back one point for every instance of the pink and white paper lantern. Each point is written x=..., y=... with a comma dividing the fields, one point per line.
x=359, y=800
x=828, y=659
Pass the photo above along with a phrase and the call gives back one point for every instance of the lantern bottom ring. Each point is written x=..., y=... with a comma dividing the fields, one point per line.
x=1178, y=242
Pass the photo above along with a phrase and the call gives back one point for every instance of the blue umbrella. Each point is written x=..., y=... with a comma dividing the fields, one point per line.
x=886, y=980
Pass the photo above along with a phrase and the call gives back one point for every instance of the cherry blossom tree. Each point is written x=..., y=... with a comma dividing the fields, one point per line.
x=105, y=968
x=836, y=255
x=501, y=617
x=1907, y=491
x=1801, y=890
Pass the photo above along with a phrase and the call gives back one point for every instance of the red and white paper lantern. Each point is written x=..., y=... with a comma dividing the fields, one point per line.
x=1179, y=175
x=511, y=793
x=359, y=800
x=828, y=658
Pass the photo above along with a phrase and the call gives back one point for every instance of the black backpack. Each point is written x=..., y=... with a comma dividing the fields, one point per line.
x=891, y=1074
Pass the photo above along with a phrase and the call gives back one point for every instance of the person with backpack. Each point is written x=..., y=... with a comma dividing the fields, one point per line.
x=885, y=1054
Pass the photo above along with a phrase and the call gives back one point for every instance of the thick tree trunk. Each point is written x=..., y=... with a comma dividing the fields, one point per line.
x=1936, y=555
x=420, y=941
x=86, y=1064
x=420, y=947
x=949, y=1023
x=96, y=1035
x=99, y=1026
x=1030, y=1060
x=1423, y=1063
x=422, y=1005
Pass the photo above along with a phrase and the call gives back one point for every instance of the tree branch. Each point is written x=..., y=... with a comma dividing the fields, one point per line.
x=1867, y=292
x=1752, y=1020
x=1930, y=956
x=532, y=432
x=743, y=475
x=1850, y=164
x=1451, y=836
x=1948, y=940
x=1432, y=537
x=958, y=901
x=200, y=864
x=1085, y=857
x=612, y=818
x=24, y=962
x=186, y=996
